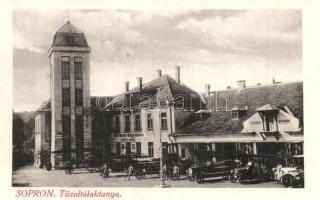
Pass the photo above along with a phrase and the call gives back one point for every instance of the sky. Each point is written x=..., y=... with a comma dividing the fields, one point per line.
x=216, y=47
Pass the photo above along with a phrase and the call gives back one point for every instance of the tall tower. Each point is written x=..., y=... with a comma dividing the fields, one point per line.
x=70, y=94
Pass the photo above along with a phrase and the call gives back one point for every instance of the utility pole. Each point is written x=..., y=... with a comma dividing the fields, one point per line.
x=160, y=138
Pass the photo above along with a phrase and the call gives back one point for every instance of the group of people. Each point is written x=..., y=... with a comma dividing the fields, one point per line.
x=166, y=172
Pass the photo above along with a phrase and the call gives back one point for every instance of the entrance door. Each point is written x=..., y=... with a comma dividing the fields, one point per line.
x=128, y=148
x=118, y=150
x=138, y=146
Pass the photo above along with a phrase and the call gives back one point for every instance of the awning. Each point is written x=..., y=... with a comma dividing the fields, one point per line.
x=239, y=137
x=219, y=138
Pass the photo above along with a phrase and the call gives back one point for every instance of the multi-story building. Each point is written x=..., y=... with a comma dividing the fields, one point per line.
x=67, y=113
x=161, y=115
x=261, y=119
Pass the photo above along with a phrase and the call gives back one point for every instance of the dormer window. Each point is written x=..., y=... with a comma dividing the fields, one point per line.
x=234, y=114
x=202, y=115
x=237, y=112
x=268, y=114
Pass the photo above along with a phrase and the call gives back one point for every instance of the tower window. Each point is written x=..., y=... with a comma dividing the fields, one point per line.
x=78, y=68
x=65, y=97
x=78, y=97
x=65, y=68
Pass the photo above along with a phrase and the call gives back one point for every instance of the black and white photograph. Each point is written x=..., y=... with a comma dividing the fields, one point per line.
x=194, y=98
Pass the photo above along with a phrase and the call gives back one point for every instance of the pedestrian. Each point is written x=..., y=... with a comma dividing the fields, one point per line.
x=164, y=171
x=130, y=170
x=175, y=171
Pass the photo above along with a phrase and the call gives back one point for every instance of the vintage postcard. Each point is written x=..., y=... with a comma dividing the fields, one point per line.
x=110, y=101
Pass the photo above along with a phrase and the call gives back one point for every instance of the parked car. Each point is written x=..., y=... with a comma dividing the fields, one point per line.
x=206, y=171
x=292, y=175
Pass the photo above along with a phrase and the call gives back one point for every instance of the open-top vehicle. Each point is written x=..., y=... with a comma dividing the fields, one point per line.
x=292, y=175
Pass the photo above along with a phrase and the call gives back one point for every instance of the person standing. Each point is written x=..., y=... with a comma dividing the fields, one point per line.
x=164, y=171
x=130, y=170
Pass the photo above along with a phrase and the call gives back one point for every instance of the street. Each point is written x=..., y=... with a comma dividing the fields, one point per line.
x=30, y=176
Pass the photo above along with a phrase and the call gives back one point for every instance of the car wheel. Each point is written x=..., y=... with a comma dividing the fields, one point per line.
x=287, y=180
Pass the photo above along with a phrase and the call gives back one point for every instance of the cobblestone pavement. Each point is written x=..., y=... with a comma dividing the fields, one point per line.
x=32, y=176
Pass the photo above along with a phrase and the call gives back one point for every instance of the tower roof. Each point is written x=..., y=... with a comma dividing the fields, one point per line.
x=69, y=36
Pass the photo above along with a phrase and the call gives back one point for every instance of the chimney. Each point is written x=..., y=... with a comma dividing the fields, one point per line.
x=159, y=72
x=258, y=84
x=207, y=88
x=178, y=74
x=126, y=86
x=139, y=83
x=241, y=84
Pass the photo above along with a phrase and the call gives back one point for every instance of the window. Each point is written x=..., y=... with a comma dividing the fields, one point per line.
x=164, y=125
x=269, y=121
x=116, y=124
x=150, y=149
x=137, y=122
x=79, y=134
x=65, y=68
x=78, y=97
x=234, y=114
x=149, y=121
x=48, y=131
x=66, y=130
x=78, y=68
x=127, y=123
x=65, y=97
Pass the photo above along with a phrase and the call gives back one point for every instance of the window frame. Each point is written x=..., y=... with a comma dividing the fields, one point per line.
x=149, y=121
x=116, y=124
x=65, y=68
x=137, y=122
x=78, y=74
x=164, y=121
x=127, y=123
x=78, y=101
x=66, y=99
x=233, y=112
x=150, y=149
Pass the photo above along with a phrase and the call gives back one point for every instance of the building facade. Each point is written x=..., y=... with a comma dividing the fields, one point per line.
x=70, y=95
x=259, y=120
x=161, y=116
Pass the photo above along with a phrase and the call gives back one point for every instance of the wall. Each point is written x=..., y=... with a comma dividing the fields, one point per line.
x=145, y=135
x=286, y=122
x=56, y=85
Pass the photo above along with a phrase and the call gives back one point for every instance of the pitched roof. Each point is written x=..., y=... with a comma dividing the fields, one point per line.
x=277, y=95
x=266, y=107
x=44, y=107
x=169, y=90
x=69, y=36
